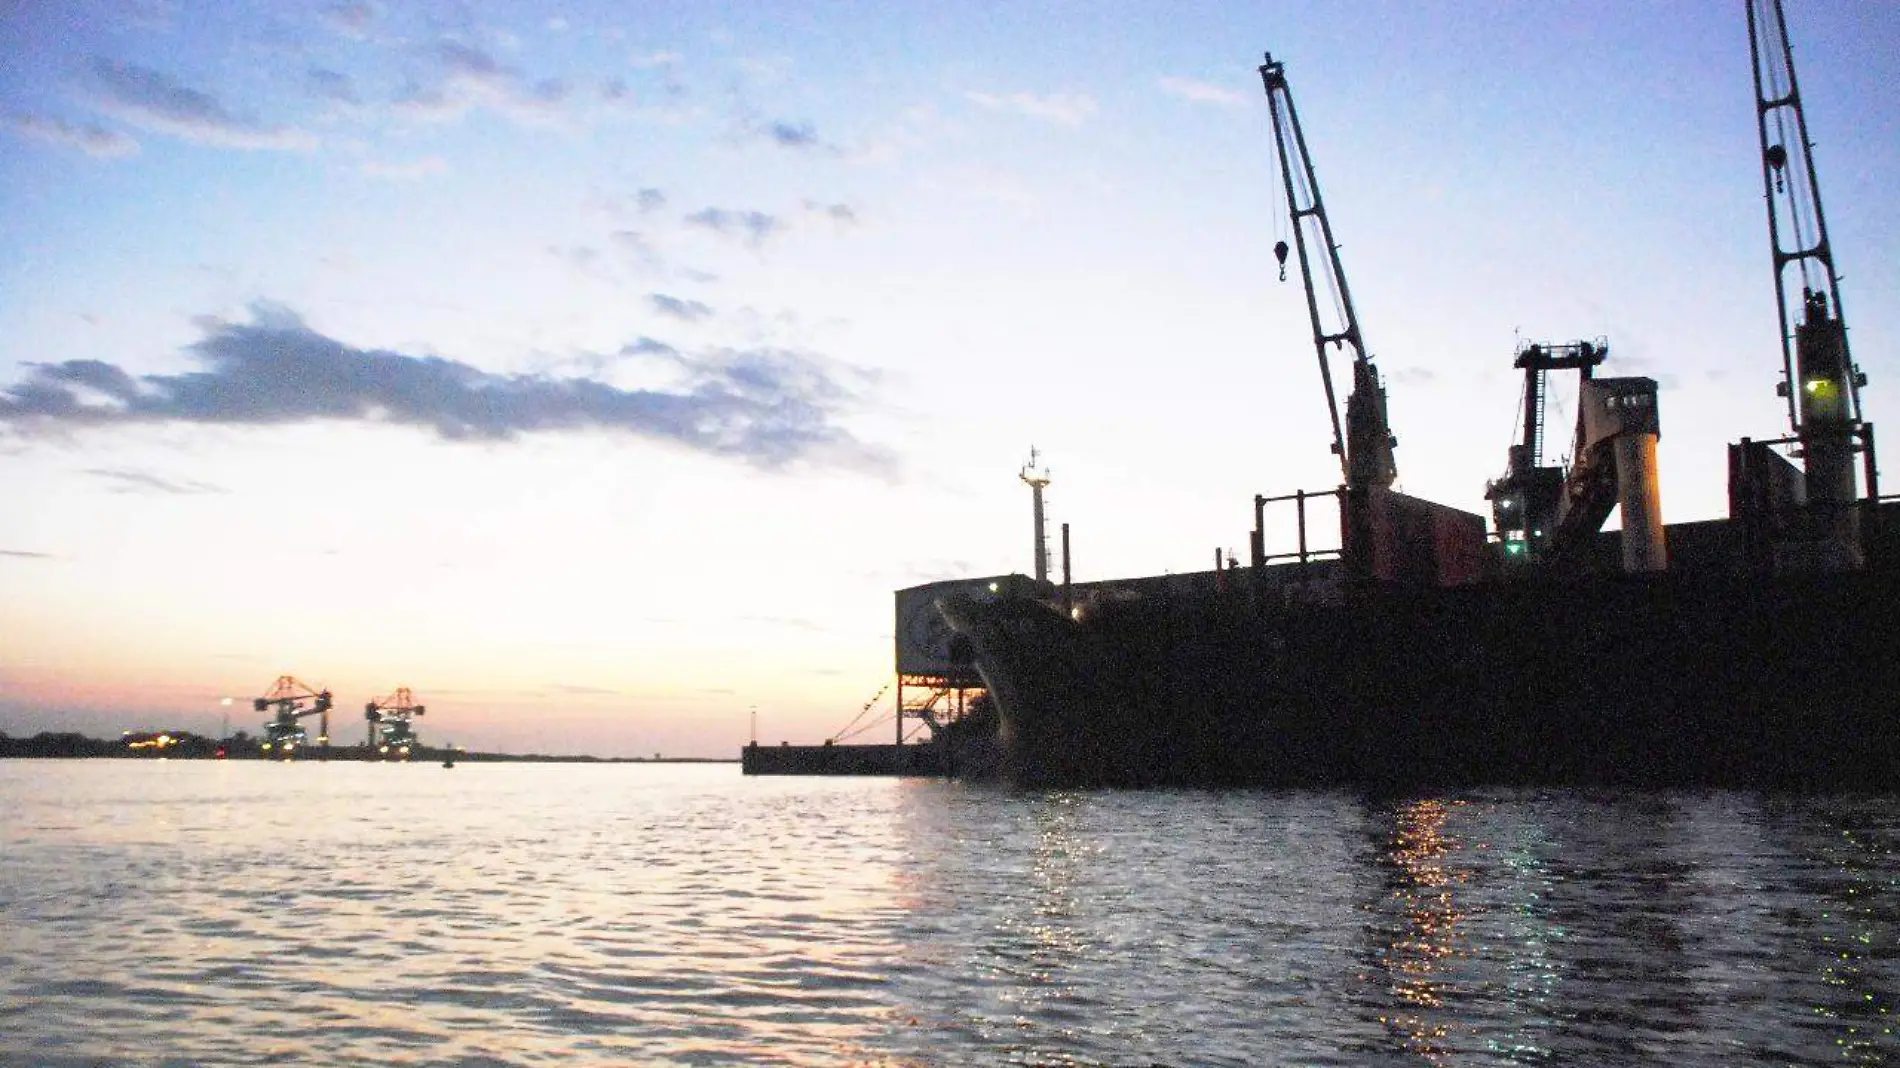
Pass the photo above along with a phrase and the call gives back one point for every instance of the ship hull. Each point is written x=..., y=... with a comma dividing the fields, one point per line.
x=1667, y=680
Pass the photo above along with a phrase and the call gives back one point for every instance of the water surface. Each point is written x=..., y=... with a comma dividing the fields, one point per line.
x=186, y=913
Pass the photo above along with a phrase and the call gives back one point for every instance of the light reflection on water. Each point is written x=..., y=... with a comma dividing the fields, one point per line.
x=194, y=913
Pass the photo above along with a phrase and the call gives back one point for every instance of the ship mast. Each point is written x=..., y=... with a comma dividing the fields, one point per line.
x=1365, y=444
x=1036, y=476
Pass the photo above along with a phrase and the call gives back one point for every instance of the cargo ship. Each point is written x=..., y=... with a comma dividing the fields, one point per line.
x=1430, y=650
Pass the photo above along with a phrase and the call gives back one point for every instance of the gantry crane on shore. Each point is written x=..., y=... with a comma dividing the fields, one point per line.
x=290, y=701
x=390, y=733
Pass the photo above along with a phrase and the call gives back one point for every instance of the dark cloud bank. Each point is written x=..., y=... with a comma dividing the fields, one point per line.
x=767, y=407
x=149, y=98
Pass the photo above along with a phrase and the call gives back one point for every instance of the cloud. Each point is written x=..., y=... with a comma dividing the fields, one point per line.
x=330, y=85
x=842, y=214
x=765, y=407
x=754, y=226
x=582, y=691
x=150, y=14
x=1070, y=109
x=635, y=245
x=95, y=141
x=690, y=311
x=409, y=171
x=144, y=97
x=646, y=346
x=649, y=200
x=797, y=136
x=126, y=480
x=350, y=20
x=787, y=135
x=654, y=59
x=22, y=554
x=581, y=257
x=1201, y=92
x=472, y=78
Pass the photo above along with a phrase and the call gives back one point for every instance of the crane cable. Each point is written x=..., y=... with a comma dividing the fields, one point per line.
x=1308, y=201
x=846, y=731
x=848, y=735
x=1275, y=200
x=1777, y=50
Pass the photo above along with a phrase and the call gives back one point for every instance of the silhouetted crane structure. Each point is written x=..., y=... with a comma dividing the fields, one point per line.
x=1525, y=501
x=1809, y=519
x=290, y=701
x=390, y=732
x=1365, y=445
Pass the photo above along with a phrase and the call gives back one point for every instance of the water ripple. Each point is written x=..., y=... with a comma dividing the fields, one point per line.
x=178, y=913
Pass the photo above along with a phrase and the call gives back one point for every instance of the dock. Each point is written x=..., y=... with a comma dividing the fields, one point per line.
x=783, y=759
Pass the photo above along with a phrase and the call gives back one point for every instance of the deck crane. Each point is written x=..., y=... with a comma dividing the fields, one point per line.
x=1525, y=501
x=1819, y=380
x=1550, y=515
x=289, y=701
x=390, y=732
x=1365, y=445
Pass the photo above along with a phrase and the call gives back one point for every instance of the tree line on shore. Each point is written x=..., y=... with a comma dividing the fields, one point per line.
x=241, y=746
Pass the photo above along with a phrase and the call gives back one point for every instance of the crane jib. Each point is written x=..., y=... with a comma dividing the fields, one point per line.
x=1363, y=438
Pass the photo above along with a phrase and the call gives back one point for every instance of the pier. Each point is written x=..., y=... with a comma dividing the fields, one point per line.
x=887, y=759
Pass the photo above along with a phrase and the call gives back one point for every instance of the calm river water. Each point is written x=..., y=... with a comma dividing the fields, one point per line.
x=185, y=913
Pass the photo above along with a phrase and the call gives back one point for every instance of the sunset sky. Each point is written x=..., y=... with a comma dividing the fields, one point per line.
x=597, y=370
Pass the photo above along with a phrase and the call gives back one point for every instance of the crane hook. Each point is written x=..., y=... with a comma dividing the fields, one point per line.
x=1777, y=156
x=1279, y=253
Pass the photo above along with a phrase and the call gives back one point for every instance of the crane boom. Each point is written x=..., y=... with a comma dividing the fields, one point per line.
x=1818, y=378
x=1797, y=227
x=1365, y=444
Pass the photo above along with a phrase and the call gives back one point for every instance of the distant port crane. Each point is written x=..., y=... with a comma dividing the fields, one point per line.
x=390, y=732
x=290, y=701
